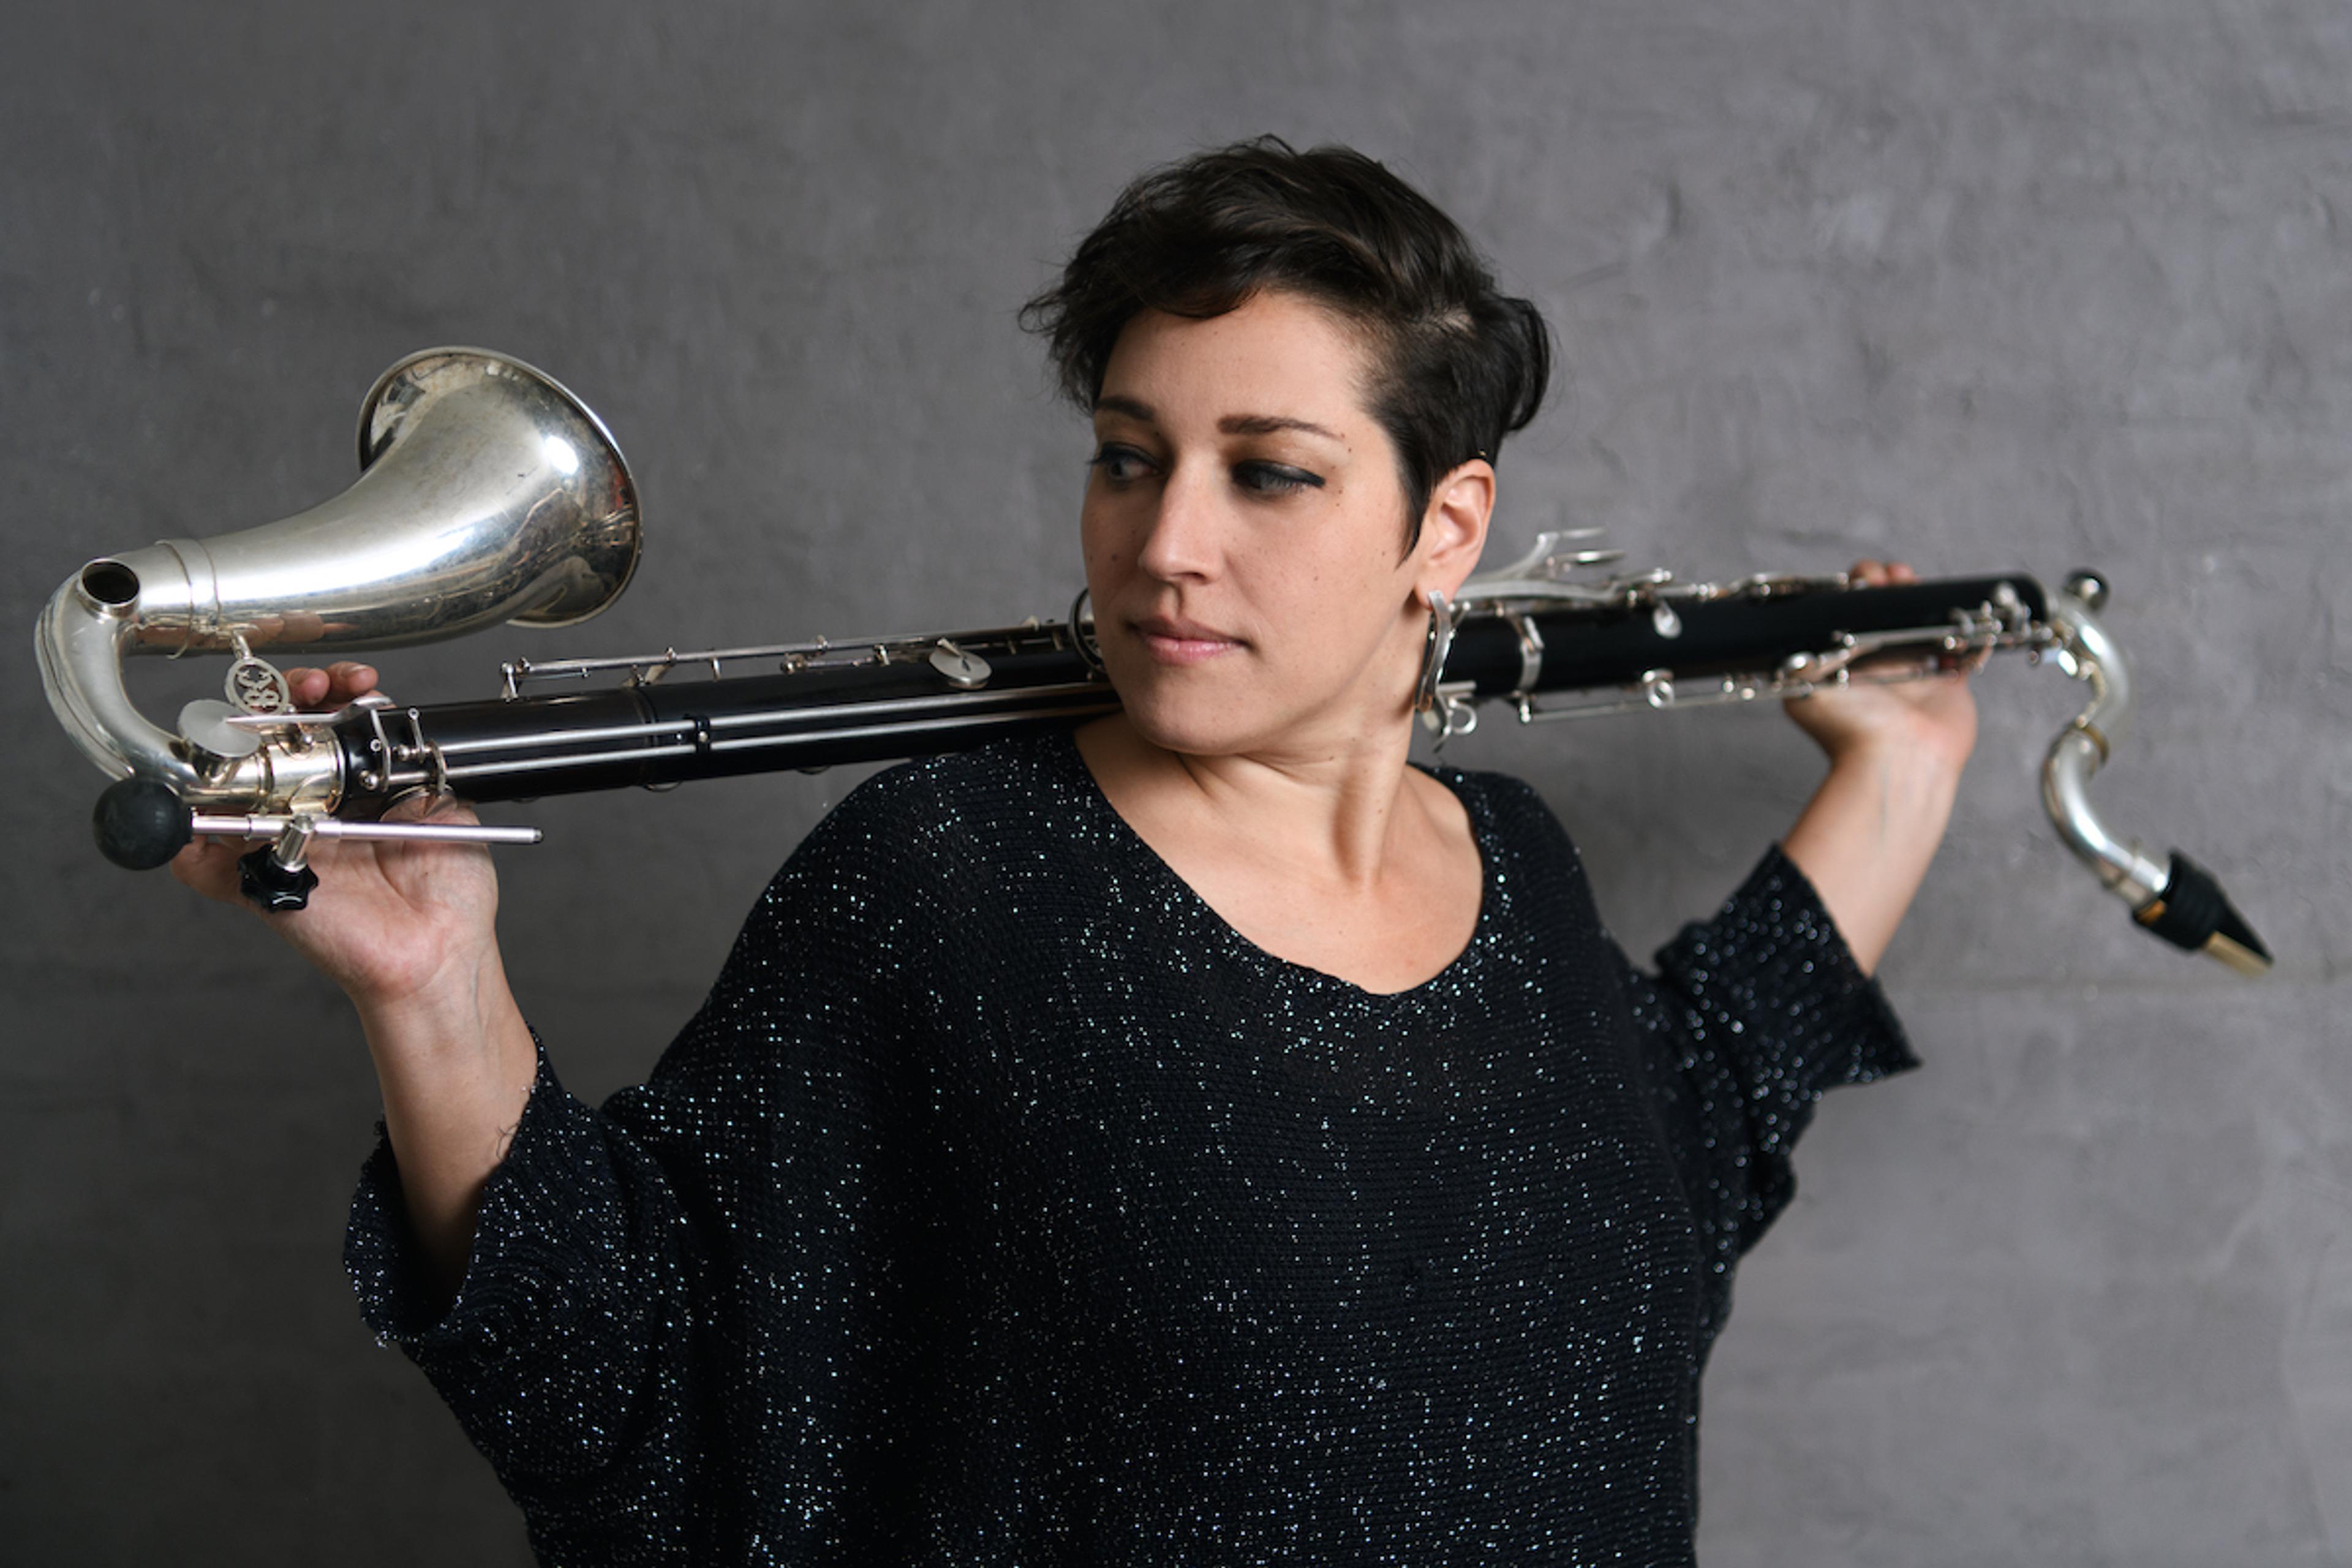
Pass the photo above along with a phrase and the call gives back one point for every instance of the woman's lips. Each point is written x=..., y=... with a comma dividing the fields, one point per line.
x=1173, y=641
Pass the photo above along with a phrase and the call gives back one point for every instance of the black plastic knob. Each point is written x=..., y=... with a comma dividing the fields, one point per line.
x=278, y=890
x=139, y=824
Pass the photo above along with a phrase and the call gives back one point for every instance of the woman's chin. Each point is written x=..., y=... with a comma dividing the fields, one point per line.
x=1173, y=728
x=1201, y=722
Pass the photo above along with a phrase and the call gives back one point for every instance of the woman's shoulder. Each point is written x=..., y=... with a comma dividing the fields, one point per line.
x=1001, y=777
x=952, y=807
x=1508, y=812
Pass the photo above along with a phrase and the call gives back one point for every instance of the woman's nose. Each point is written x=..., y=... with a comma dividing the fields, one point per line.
x=1183, y=539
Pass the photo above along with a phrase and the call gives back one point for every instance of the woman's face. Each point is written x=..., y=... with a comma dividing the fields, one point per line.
x=1244, y=532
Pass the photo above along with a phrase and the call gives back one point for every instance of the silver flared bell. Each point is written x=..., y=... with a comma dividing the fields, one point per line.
x=486, y=493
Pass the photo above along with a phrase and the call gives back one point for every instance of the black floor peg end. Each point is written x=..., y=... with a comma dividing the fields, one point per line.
x=273, y=887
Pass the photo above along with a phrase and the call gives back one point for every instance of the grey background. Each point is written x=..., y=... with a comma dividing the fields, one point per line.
x=1986, y=285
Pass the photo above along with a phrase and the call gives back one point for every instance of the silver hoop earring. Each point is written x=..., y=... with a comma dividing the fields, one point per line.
x=1442, y=710
x=1082, y=631
x=1432, y=654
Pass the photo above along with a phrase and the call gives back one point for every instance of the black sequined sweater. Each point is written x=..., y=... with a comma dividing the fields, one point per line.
x=1004, y=1206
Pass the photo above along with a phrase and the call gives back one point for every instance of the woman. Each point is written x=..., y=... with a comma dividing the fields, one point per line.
x=1209, y=1137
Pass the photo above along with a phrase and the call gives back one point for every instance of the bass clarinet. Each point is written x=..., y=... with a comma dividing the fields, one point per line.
x=488, y=493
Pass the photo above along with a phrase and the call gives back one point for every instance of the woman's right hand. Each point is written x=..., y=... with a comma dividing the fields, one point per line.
x=388, y=921
x=409, y=931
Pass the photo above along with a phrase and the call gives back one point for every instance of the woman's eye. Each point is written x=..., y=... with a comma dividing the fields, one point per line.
x=1120, y=464
x=1275, y=478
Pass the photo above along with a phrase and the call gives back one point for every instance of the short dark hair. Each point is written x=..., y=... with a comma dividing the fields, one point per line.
x=1458, y=364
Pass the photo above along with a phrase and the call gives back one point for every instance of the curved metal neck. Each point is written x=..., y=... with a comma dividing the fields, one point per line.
x=2087, y=652
x=79, y=642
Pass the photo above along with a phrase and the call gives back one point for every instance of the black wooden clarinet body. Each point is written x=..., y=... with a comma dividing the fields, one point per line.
x=674, y=718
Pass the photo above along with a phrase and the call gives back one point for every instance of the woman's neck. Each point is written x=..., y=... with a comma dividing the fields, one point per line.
x=1346, y=861
x=1327, y=811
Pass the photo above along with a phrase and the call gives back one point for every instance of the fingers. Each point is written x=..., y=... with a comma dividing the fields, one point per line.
x=1881, y=573
x=351, y=679
x=423, y=807
x=309, y=686
x=318, y=690
x=208, y=865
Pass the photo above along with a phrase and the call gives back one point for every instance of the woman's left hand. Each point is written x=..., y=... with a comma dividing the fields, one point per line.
x=1895, y=752
x=1931, y=720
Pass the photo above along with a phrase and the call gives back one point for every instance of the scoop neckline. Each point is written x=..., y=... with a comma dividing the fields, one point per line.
x=1223, y=931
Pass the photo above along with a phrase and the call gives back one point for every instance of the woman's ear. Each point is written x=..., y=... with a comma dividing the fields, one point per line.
x=1454, y=528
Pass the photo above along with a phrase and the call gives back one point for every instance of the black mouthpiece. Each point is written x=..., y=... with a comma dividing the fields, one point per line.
x=2192, y=912
x=139, y=824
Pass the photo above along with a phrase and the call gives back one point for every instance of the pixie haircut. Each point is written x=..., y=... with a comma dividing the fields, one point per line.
x=1457, y=363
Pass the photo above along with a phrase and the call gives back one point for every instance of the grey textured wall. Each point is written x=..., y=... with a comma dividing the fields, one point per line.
x=1988, y=284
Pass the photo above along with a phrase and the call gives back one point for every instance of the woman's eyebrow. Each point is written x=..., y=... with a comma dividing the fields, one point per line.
x=1135, y=409
x=1268, y=423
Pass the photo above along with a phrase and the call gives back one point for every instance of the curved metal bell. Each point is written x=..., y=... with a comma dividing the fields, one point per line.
x=488, y=493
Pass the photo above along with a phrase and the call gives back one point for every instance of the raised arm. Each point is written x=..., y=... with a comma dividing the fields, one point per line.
x=408, y=931
x=1896, y=753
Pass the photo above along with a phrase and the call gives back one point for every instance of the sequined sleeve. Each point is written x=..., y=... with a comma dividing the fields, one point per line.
x=1751, y=1016
x=732, y=1219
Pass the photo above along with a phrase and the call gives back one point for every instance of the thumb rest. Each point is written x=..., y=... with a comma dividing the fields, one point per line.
x=489, y=493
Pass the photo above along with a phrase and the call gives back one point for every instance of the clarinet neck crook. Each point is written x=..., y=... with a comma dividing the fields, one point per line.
x=2176, y=898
